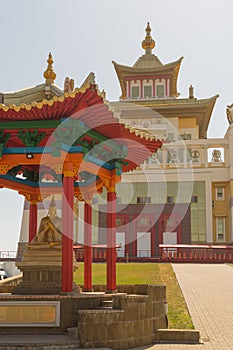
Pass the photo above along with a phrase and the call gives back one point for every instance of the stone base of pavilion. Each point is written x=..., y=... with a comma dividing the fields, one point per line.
x=41, y=266
x=122, y=320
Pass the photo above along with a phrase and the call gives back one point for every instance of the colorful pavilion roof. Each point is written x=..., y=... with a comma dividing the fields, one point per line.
x=88, y=106
x=51, y=109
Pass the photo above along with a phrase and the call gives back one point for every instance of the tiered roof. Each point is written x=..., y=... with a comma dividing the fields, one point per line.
x=77, y=124
x=148, y=65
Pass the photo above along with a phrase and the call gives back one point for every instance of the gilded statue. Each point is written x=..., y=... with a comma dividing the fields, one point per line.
x=50, y=229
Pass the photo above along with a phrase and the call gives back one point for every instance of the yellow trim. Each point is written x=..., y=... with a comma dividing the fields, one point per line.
x=44, y=102
x=68, y=173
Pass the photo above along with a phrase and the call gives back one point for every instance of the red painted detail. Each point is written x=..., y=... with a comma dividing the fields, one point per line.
x=152, y=240
x=153, y=88
x=111, y=241
x=58, y=109
x=147, y=77
x=67, y=232
x=32, y=221
x=87, y=247
x=128, y=94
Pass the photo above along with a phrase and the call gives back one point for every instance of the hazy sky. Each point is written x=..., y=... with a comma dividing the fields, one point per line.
x=86, y=36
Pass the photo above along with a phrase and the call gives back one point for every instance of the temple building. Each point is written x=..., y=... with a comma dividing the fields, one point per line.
x=182, y=194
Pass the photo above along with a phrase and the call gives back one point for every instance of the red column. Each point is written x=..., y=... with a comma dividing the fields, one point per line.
x=87, y=247
x=67, y=228
x=111, y=240
x=32, y=220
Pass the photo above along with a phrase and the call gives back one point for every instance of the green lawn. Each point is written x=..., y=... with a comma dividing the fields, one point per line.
x=136, y=273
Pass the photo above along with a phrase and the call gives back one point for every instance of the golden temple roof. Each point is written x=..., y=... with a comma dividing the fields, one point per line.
x=148, y=65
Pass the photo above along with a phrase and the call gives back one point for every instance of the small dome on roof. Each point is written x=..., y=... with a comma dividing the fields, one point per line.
x=148, y=61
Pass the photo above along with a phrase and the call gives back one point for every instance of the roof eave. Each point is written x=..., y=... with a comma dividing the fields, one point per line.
x=172, y=69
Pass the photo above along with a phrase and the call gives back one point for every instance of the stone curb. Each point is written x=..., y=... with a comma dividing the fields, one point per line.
x=177, y=336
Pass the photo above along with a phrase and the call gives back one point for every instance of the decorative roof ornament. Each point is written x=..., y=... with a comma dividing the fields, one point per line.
x=49, y=73
x=68, y=85
x=148, y=43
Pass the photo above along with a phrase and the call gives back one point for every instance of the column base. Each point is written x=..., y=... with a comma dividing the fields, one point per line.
x=111, y=291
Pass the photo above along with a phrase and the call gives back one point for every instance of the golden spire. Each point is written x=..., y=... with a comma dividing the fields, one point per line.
x=49, y=74
x=148, y=43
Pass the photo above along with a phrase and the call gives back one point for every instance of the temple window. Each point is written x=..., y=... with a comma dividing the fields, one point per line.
x=143, y=200
x=220, y=229
x=185, y=136
x=219, y=193
x=160, y=91
x=147, y=91
x=135, y=91
x=170, y=199
x=194, y=199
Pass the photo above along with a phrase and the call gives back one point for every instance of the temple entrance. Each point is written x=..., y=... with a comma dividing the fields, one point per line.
x=143, y=244
x=140, y=229
x=120, y=241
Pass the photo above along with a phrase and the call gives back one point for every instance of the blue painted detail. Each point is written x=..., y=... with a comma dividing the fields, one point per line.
x=72, y=149
x=25, y=150
x=40, y=150
x=101, y=163
x=46, y=184
x=21, y=181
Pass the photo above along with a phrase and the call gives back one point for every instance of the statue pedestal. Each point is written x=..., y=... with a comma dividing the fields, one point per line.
x=42, y=269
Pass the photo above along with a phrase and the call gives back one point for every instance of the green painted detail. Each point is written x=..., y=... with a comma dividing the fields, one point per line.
x=78, y=130
x=37, y=124
x=15, y=170
x=118, y=165
x=87, y=145
x=105, y=152
x=30, y=138
x=31, y=175
x=3, y=140
x=67, y=134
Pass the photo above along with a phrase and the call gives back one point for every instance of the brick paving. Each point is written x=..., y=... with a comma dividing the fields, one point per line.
x=208, y=291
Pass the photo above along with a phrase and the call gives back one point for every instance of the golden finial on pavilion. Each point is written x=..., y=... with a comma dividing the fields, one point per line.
x=148, y=43
x=49, y=73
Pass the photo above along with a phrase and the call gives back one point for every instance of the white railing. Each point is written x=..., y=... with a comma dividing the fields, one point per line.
x=8, y=254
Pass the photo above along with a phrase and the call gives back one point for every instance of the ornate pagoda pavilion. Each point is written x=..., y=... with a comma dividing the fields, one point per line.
x=73, y=138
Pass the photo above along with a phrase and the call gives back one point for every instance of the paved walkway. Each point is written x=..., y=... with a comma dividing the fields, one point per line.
x=208, y=291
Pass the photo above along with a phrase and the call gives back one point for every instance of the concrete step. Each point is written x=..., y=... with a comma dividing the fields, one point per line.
x=106, y=304
x=188, y=336
x=73, y=333
x=38, y=342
